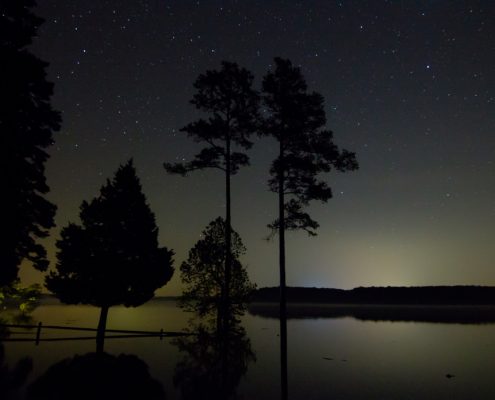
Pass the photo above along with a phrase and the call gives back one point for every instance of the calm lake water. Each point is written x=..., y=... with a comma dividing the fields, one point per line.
x=328, y=358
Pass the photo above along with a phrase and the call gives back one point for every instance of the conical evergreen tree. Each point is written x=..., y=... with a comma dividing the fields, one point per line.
x=27, y=122
x=113, y=257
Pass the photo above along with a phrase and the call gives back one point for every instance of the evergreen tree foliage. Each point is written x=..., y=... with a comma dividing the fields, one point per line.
x=27, y=122
x=296, y=119
x=112, y=257
x=227, y=96
x=203, y=273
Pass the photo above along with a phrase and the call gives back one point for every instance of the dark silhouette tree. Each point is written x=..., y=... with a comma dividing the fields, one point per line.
x=296, y=119
x=113, y=256
x=27, y=122
x=203, y=273
x=227, y=96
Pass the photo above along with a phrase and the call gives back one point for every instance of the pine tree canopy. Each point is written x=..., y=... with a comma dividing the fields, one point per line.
x=232, y=107
x=296, y=119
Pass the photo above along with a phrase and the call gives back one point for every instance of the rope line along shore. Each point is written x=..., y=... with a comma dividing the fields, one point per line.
x=123, y=333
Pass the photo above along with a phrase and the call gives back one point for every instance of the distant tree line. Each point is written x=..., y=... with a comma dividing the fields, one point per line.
x=421, y=295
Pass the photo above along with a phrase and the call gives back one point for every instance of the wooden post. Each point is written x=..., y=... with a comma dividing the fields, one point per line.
x=38, y=334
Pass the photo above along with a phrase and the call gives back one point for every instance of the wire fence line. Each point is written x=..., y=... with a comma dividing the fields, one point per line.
x=124, y=334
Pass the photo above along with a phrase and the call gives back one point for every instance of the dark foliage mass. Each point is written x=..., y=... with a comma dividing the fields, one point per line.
x=97, y=376
x=296, y=119
x=232, y=107
x=27, y=123
x=113, y=256
x=203, y=273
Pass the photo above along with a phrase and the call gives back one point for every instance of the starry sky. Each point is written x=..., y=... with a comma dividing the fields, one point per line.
x=409, y=86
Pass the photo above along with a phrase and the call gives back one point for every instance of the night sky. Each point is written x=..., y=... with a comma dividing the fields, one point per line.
x=409, y=86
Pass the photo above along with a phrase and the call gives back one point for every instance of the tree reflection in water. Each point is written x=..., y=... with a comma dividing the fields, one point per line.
x=214, y=361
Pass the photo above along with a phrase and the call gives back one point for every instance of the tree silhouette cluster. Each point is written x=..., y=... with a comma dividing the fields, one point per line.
x=293, y=116
x=113, y=256
x=296, y=119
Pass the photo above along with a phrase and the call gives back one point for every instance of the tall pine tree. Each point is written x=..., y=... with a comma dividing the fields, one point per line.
x=227, y=96
x=113, y=256
x=27, y=122
x=296, y=119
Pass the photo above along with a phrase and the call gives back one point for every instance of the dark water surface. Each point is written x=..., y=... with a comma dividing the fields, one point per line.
x=328, y=358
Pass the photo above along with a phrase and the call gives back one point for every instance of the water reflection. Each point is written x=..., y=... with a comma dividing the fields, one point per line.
x=394, y=313
x=341, y=358
x=284, y=383
x=97, y=376
x=213, y=361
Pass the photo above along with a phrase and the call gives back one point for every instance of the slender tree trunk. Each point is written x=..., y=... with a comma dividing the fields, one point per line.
x=224, y=354
x=228, y=230
x=283, y=299
x=219, y=316
x=102, y=324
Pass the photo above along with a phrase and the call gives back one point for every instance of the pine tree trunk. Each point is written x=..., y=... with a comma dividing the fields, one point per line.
x=102, y=324
x=228, y=231
x=283, y=299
